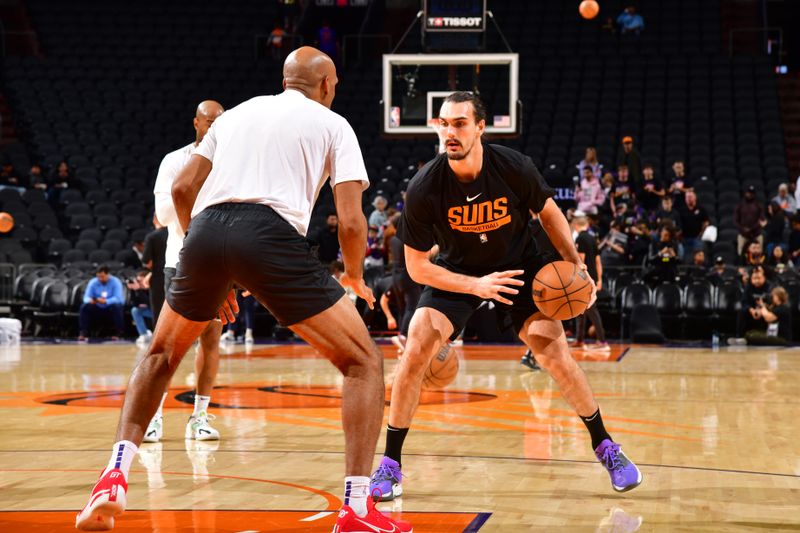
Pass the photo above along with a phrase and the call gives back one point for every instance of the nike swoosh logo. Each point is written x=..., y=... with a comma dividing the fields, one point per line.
x=469, y=199
x=377, y=529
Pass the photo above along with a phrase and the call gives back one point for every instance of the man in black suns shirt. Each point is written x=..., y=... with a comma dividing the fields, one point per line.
x=474, y=201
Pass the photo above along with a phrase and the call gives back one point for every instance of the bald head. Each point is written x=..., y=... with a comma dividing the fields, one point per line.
x=205, y=115
x=312, y=73
x=209, y=108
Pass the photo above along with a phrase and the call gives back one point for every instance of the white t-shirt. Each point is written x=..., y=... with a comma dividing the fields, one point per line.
x=171, y=165
x=278, y=151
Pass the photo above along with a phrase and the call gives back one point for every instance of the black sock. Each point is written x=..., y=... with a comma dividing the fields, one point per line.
x=394, y=442
x=596, y=428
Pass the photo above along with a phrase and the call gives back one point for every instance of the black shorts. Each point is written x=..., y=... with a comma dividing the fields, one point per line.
x=169, y=273
x=458, y=307
x=251, y=246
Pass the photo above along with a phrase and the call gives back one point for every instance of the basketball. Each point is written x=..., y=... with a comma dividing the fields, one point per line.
x=6, y=222
x=442, y=370
x=589, y=9
x=562, y=291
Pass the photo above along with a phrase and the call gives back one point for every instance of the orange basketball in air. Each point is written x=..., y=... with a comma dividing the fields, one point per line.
x=6, y=222
x=589, y=9
x=562, y=291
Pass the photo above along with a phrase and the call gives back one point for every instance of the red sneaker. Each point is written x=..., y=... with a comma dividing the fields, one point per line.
x=373, y=522
x=106, y=502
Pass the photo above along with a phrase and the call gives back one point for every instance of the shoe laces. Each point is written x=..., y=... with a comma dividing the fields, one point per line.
x=202, y=418
x=385, y=472
x=611, y=458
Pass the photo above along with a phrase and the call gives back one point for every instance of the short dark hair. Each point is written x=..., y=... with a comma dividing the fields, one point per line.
x=459, y=97
x=102, y=269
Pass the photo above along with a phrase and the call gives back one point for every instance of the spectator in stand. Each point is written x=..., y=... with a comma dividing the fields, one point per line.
x=785, y=200
x=378, y=217
x=62, y=177
x=140, y=305
x=589, y=193
x=132, y=257
x=590, y=160
x=699, y=266
x=679, y=184
x=630, y=22
x=632, y=160
x=102, y=301
x=773, y=320
x=326, y=41
x=613, y=248
x=10, y=180
x=275, y=41
x=753, y=255
x=374, y=254
x=794, y=240
x=586, y=244
x=327, y=239
x=154, y=258
x=667, y=215
x=651, y=192
x=779, y=260
x=749, y=219
x=694, y=221
x=721, y=272
x=639, y=241
x=773, y=229
x=622, y=192
x=755, y=292
x=663, y=256
x=36, y=179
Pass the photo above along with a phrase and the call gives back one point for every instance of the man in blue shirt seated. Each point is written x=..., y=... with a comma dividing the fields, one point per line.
x=103, y=300
x=630, y=21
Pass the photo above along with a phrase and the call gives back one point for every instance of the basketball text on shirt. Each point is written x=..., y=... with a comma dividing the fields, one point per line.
x=479, y=217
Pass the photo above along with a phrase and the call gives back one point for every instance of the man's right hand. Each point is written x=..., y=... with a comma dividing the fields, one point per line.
x=491, y=286
x=359, y=287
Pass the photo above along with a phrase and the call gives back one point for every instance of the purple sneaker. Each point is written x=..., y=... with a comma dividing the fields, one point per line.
x=624, y=474
x=386, y=481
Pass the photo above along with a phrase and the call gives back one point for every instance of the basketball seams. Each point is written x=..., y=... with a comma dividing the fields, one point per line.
x=568, y=294
x=564, y=287
x=573, y=297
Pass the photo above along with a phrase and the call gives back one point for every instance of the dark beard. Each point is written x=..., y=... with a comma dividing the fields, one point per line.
x=458, y=157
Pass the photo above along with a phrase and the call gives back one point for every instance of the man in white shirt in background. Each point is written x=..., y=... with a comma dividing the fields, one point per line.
x=248, y=191
x=206, y=361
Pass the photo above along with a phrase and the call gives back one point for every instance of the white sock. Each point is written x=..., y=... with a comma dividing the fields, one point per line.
x=356, y=490
x=200, y=404
x=122, y=456
x=161, y=406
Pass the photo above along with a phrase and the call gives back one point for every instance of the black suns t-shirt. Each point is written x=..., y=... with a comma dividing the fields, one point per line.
x=481, y=226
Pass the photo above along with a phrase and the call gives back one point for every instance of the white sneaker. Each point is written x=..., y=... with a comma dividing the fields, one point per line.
x=228, y=336
x=248, y=336
x=155, y=430
x=198, y=427
x=141, y=340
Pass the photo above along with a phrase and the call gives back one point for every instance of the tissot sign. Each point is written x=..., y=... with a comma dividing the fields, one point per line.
x=455, y=15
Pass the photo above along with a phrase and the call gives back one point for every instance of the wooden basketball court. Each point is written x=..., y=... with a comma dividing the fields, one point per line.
x=714, y=433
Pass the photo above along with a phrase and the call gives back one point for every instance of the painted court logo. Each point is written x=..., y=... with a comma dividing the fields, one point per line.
x=479, y=217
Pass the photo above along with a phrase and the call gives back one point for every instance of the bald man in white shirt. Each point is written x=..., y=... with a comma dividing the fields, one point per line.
x=248, y=191
x=206, y=361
